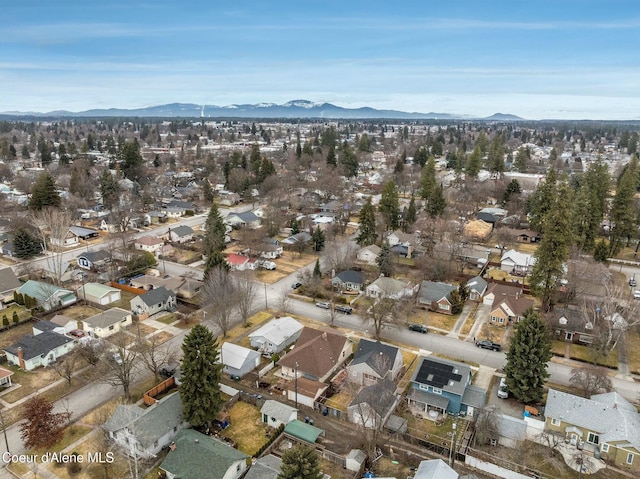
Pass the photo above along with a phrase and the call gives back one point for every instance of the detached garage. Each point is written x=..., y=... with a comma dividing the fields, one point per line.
x=99, y=293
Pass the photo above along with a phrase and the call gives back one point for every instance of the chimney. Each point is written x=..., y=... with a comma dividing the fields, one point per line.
x=324, y=335
x=172, y=446
x=20, y=357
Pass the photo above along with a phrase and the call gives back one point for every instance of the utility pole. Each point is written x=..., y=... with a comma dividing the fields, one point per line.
x=4, y=431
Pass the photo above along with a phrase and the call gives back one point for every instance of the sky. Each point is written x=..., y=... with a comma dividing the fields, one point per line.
x=561, y=59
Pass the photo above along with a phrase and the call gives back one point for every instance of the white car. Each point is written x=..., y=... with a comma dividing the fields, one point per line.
x=636, y=294
x=268, y=265
x=503, y=392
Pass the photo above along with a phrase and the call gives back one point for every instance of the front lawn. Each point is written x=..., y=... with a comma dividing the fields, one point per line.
x=246, y=428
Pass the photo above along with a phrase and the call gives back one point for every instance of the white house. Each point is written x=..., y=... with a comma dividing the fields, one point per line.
x=32, y=351
x=181, y=234
x=238, y=360
x=392, y=288
x=516, y=262
x=275, y=413
x=276, y=335
x=151, y=244
x=374, y=361
x=369, y=254
x=108, y=322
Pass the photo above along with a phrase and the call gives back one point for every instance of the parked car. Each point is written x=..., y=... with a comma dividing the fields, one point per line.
x=632, y=282
x=323, y=305
x=344, y=309
x=77, y=333
x=169, y=369
x=296, y=285
x=420, y=328
x=268, y=265
x=503, y=392
x=486, y=344
x=636, y=294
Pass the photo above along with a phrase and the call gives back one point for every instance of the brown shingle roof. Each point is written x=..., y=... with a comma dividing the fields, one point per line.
x=316, y=352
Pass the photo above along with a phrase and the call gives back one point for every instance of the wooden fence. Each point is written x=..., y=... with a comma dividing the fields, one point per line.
x=149, y=397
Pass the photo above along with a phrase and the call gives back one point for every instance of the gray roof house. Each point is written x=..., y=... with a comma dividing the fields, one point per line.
x=145, y=431
x=155, y=301
x=107, y=323
x=240, y=220
x=369, y=254
x=265, y=467
x=435, y=296
x=605, y=422
x=180, y=234
x=93, y=260
x=9, y=282
x=373, y=405
x=194, y=455
x=392, y=288
x=348, y=280
x=276, y=335
x=39, y=349
x=275, y=413
x=238, y=360
x=476, y=286
x=374, y=361
x=435, y=469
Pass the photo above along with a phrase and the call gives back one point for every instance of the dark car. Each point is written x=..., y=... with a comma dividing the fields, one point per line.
x=344, y=309
x=296, y=285
x=486, y=344
x=169, y=369
x=420, y=328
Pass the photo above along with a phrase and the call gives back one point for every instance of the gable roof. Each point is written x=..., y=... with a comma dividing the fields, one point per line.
x=236, y=259
x=107, y=318
x=512, y=305
x=316, y=352
x=148, y=240
x=40, y=290
x=609, y=414
x=442, y=374
x=8, y=280
x=375, y=249
x=41, y=344
x=61, y=319
x=98, y=290
x=435, y=469
x=182, y=230
x=265, y=467
x=197, y=456
x=380, y=396
x=474, y=396
x=43, y=325
x=151, y=423
x=303, y=431
x=280, y=411
x=431, y=291
x=235, y=356
x=157, y=295
x=499, y=289
x=278, y=330
x=378, y=356
x=245, y=217
x=477, y=283
x=95, y=256
x=389, y=285
x=569, y=319
x=518, y=258
x=350, y=276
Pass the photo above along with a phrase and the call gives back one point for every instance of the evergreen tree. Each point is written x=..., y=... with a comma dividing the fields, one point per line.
x=207, y=191
x=201, y=371
x=527, y=358
x=521, y=159
x=215, y=231
x=623, y=208
x=109, y=190
x=44, y=193
x=45, y=151
x=317, y=273
x=295, y=227
x=601, y=252
x=331, y=156
x=300, y=462
x=553, y=251
x=5, y=320
x=25, y=245
x=428, y=182
x=421, y=156
x=349, y=160
x=496, y=156
x=542, y=201
x=15, y=318
x=132, y=163
x=389, y=205
x=457, y=303
x=411, y=215
x=215, y=259
x=385, y=260
x=367, y=233
x=512, y=188
x=591, y=204
x=318, y=239
x=474, y=163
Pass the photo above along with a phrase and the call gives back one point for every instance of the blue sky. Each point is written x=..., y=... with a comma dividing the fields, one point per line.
x=570, y=59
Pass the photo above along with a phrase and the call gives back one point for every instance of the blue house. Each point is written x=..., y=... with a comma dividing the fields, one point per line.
x=439, y=386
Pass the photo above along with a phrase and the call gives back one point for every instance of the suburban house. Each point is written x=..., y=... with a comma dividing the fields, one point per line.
x=229, y=199
x=65, y=322
x=369, y=254
x=149, y=282
x=276, y=335
x=153, y=302
x=64, y=271
x=151, y=244
x=69, y=239
x=570, y=324
x=144, y=432
x=527, y=236
x=440, y=386
x=238, y=360
x=43, y=326
x=189, y=288
x=240, y=220
x=317, y=355
x=398, y=237
x=106, y=323
x=498, y=290
x=349, y=280
x=392, y=288
x=9, y=282
x=84, y=234
x=5, y=377
x=181, y=234
x=476, y=287
x=238, y=262
x=94, y=260
x=302, y=237
x=374, y=361
x=99, y=293
x=606, y=422
x=435, y=296
x=437, y=469
x=265, y=467
x=506, y=310
x=39, y=349
x=305, y=391
x=275, y=413
x=373, y=404
x=517, y=263
x=47, y=295
x=194, y=455
x=270, y=249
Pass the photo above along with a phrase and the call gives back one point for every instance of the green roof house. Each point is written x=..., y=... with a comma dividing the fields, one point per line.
x=193, y=455
x=48, y=296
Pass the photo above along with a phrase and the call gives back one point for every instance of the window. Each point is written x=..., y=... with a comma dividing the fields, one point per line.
x=238, y=468
x=605, y=448
x=630, y=458
x=444, y=306
x=111, y=328
x=436, y=391
x=593, y=438
x=555, y=422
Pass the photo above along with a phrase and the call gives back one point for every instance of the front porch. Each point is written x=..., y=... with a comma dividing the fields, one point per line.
x=427, y=405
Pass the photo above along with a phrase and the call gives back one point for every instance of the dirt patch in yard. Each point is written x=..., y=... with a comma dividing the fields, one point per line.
x=492, y=332
x=80, y=312
x=140, y=329
x=246, y=428
x=163, y=337
x=11, y=335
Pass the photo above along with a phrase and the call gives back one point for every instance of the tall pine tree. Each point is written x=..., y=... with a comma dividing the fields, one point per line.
x=527, y=359
x=200, y=377
x=300, y=462
x=389, y=205
x=367, y=233
x=44, y=193
x=623, y=208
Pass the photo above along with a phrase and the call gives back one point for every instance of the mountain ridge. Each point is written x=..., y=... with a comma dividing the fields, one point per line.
x=291, y=109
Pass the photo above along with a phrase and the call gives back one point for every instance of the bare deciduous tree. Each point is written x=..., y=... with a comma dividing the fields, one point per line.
x=381, y=314
x=246, y=291
x=486, y=426
x=120, y=362
x=66, y=366
x=339, y=255
x=590, y=380
x=53, y=226
x=218, y=295
x=90, y=350
x=154, y=354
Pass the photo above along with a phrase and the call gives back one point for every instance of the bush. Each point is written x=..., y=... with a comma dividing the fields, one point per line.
x=74, y=466
x=5, y=320
x=15, y=318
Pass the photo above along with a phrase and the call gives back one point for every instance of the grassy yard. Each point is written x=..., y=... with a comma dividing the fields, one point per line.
x=633, y=351
x=29, y=381
x=23, y=313
x=246, y=428
x=80, y=312
x=584, y=353
x=125, y=298
x=11, y=335
x=441, y=321
x=168, y=318
x=241, y=330
x=492, y=332
x=140, y=329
